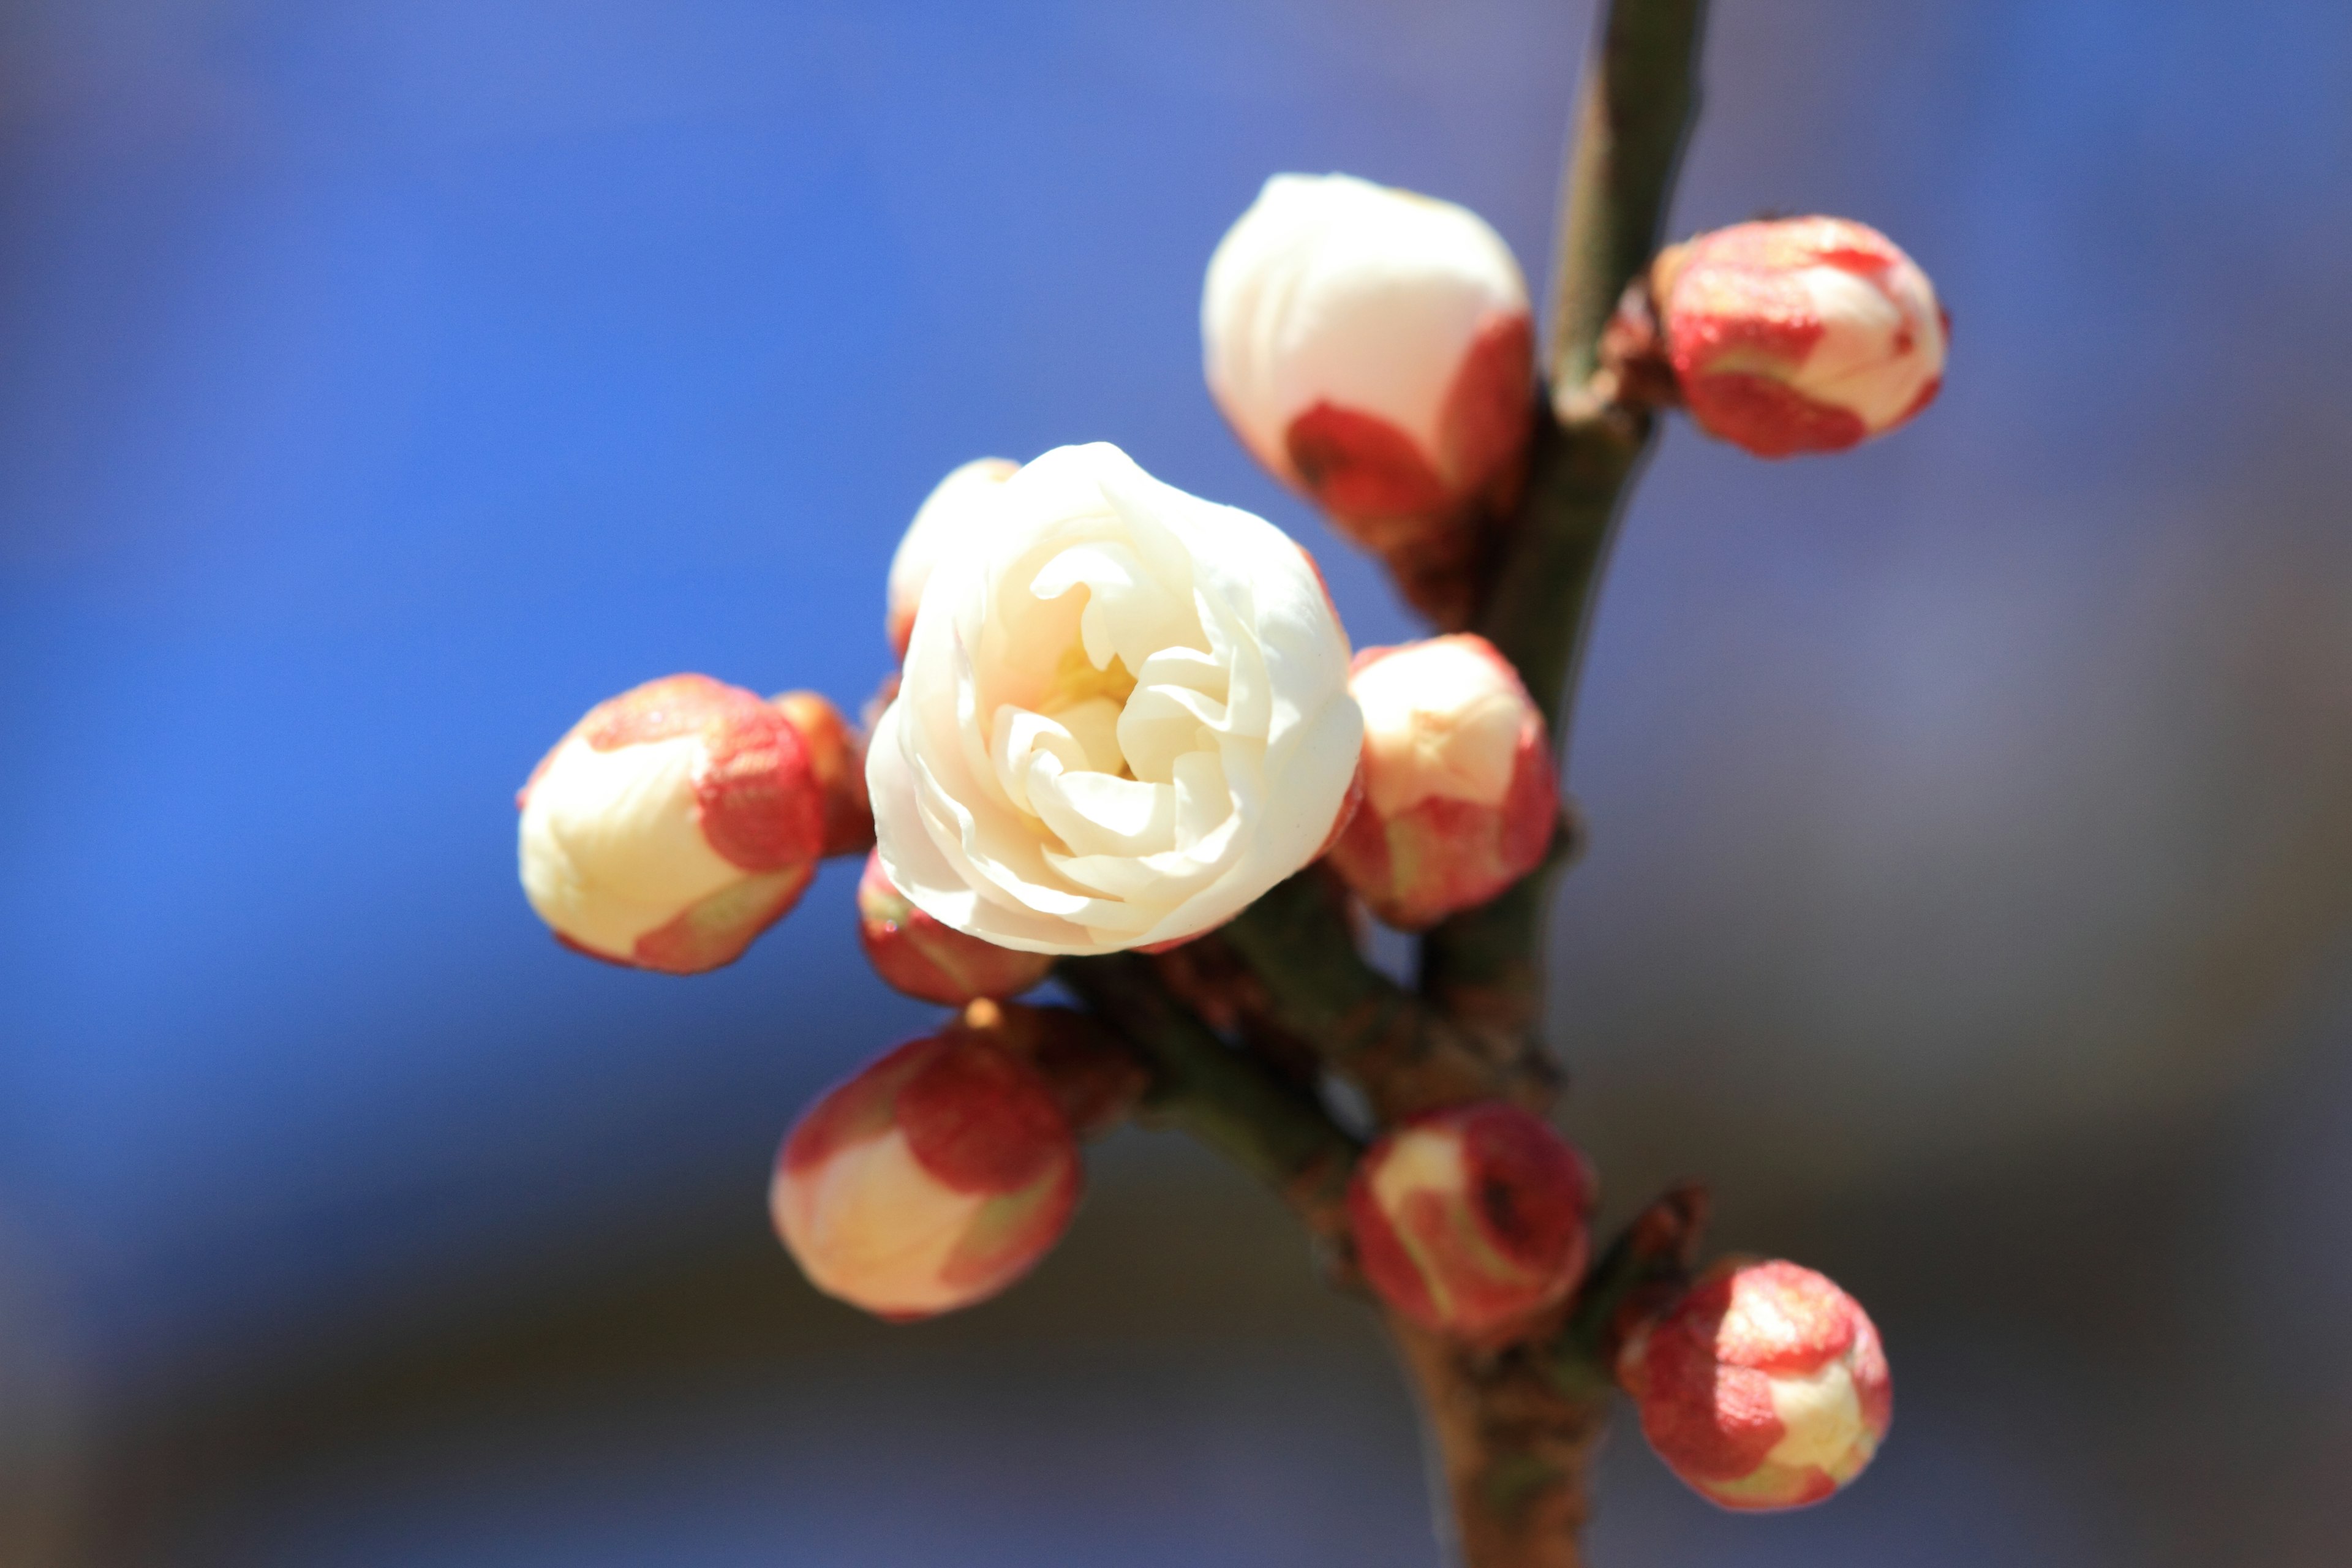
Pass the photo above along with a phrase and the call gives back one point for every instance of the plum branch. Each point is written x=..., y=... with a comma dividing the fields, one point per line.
x=1127, y=717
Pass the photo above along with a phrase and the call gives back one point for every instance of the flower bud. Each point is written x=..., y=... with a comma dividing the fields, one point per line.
x=1802, y=334
x=951, y=509
x=1461, y=799
x=671, y=825
x=1471, y=1220
x=1764, y=1388
x=836, y=754
x=929, y=1181
x=935, y=963
x=1374, y=348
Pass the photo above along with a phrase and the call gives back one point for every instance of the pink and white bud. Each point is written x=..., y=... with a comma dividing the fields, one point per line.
x=837, y=753
x=933, y=961
x=1471, y=1220
x=672, y=823
x=1805, y=334
x=1461, y=798
x=957, y=505
x=1374, y=348
x=1764, y=1388
x=929, y=1181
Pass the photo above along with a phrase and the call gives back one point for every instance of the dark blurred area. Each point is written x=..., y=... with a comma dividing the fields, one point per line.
x=381, y=383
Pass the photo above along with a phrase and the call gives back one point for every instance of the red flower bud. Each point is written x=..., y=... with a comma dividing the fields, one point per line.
x=837, y=761
x=929, y=1181
x=1461, y=799
x=1799, y=334
x=1471, y=1220
x=1764, y=1388
x=671, y=825
x=935, y=963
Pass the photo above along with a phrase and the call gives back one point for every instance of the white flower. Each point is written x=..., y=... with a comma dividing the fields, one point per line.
x=1370, y=345
x=955, y=505
x=1124, y=716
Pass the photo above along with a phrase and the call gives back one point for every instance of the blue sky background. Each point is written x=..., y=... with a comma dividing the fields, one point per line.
x=382, y=384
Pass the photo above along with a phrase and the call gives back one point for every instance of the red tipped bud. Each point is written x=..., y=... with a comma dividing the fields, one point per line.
x=931, y=1180
x=917, y=955
x=1461, y=798
x=1801, y=334
x=671, y=825
x=955, y=506
x=1764, y=1388
x=1374, y=348
x=836, y=754
x=1471, y=1220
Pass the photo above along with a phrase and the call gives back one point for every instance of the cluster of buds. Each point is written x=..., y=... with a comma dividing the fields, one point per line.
x=1123, y=713
x=1374, y=348
x=1764, y=1388
x=1461, y=798
x=1472, y=1220
x=943, y=1172
x=1789, y=335
x=675, y=823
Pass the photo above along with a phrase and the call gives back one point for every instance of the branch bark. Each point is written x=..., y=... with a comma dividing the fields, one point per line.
x=1221, y=1096
x=1639, y=99
x=1516, y=1432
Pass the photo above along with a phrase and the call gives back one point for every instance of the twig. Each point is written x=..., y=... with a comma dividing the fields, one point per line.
x=1406, y=1055
x=1217, y=1093
x=1639, y=99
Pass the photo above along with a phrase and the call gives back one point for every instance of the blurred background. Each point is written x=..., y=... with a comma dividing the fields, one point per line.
x=381, y=383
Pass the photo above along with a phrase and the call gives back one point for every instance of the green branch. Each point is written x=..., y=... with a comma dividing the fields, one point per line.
x=1639, y=100
x=1227, y=1099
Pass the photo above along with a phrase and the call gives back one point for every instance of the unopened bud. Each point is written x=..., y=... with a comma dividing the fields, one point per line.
x=671, y=825
x=836, y=754
x=1374, y=348
x=935, y=963
x=956, y=504
x=931, y=1180
x=1764, y=1388
x=1801, y=334
x=1471, y=1220
x=1461, y=798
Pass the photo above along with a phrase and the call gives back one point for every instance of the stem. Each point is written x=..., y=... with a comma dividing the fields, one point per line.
x=1516, y=1432
x=1218, y=1095
x=1406, y=1055
x=1515, y=1445
x=1639, y=99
